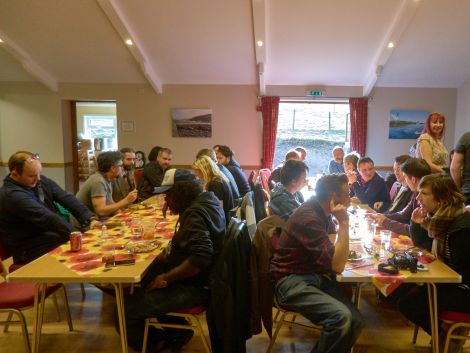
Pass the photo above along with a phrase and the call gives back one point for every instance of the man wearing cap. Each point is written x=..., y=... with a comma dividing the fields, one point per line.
x=30, y=223
x=179, y=275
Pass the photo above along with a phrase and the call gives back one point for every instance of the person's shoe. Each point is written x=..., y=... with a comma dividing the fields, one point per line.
x=178, y=341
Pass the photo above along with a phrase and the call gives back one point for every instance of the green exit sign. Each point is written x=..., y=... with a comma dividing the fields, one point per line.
x=315, y=93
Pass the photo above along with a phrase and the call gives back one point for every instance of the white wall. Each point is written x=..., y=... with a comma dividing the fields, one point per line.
x=379, y=147
x=34, y=118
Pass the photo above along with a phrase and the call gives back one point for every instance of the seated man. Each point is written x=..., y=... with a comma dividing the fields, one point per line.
x=305, y=262
x=286, y=196
x=370, y=186
x=336, y=164
x=125, y=181
x=154, y=172
x=399, y=222
x=400, y=193
x=276, y=172
x=30, y=224
x=97, y=191
x=179, y=275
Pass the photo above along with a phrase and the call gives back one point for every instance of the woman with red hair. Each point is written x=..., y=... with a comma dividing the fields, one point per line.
x=430, y=146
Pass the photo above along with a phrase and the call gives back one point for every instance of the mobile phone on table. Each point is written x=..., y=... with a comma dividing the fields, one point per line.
x=115, y=263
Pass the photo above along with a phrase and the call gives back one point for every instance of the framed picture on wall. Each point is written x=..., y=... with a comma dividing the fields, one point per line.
x=406, y=124
x=191, y=122
x=127, y=126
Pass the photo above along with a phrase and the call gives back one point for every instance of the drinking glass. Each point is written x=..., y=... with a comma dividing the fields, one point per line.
x=385, y=236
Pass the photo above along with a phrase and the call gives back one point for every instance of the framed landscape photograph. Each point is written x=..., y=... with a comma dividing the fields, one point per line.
x=406, y=124
x=191, y=122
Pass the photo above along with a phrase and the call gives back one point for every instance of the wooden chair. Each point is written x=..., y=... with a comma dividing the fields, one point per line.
x=192, y=316
x=17, y=297
x=454, y=321
x=282, y=320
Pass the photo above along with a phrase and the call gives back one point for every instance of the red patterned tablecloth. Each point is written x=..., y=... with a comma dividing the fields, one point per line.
x=117, y=240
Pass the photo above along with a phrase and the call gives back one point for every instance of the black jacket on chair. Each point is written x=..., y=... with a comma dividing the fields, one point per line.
x=228, y=313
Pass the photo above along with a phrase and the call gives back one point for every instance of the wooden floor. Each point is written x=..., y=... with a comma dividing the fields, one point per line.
x=385, y=330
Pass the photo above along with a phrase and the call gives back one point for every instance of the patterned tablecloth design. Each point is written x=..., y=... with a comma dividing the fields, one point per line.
x=367, y=265
x=89, y=262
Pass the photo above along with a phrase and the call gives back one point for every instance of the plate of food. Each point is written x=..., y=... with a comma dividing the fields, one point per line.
x=143, y=246
x=355, y=256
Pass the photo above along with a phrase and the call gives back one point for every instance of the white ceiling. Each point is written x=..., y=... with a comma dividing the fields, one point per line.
x=307, y=42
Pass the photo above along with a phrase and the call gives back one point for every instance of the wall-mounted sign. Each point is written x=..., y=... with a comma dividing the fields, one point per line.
x=315, y=93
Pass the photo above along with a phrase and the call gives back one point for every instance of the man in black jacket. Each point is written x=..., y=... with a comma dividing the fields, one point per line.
x=30, y=223
x=179, y=275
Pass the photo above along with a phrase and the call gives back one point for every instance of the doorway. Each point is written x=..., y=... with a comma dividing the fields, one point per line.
x=94, y=131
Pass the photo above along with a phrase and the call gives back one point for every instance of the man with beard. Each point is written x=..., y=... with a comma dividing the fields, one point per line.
x=178, y=277
x=125, y=182
x=97, y=192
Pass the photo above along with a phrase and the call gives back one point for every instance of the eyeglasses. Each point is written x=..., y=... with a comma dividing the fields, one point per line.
x=33, y=157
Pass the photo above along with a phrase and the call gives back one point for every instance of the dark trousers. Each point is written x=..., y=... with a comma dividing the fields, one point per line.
x=141, y=305
x=450, y=297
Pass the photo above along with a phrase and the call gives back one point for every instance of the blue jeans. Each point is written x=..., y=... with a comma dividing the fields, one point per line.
x=323, y=303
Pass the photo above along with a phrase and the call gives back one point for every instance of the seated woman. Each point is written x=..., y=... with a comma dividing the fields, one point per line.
x=430, y=146
x=443, y=214
x=225, y=157
x=206, y=170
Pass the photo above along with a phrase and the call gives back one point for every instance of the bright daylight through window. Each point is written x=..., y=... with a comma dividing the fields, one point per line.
x=316, y=126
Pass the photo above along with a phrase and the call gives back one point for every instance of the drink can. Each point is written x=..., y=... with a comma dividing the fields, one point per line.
x=75, y=241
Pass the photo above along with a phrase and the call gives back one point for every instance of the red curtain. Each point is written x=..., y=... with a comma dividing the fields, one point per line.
x=270, y=112
x=358, y=117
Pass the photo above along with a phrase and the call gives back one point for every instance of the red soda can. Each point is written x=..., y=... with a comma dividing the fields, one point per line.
x=75, y=241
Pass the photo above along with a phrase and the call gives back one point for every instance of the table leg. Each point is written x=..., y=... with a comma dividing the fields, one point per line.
x=121, y=315
x=433, y=318
x=357, y=294
x=39, y=299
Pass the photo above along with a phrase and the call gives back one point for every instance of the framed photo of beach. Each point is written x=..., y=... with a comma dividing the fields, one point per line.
x=191, y=122
x=406, y=124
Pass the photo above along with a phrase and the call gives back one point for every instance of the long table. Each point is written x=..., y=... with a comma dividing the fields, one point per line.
x=438, y=272
x=62, y=266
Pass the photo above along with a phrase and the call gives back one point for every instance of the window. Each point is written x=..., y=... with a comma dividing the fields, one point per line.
x=317, y=126
x=103, y=128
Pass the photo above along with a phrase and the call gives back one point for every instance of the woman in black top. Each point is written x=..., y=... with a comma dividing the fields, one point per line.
x=206, y=170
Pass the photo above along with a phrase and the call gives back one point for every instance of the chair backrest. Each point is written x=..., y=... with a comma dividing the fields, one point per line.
x=137, y=175
x=264, y=175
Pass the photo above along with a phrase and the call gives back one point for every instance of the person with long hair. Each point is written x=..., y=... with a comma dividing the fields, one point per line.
x=215, y=181
x=225, y=156
x=443, y=215
x=430, y=146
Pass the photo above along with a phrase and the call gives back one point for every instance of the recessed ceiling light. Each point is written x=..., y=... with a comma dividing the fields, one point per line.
x=391, y=45
x=260, y=43
x=1, y=40
x=129, y=42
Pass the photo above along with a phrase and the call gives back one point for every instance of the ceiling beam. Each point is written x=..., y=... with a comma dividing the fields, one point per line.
x=400, y=22
x=259, y=41
x=29, y=64
x=122, y=26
